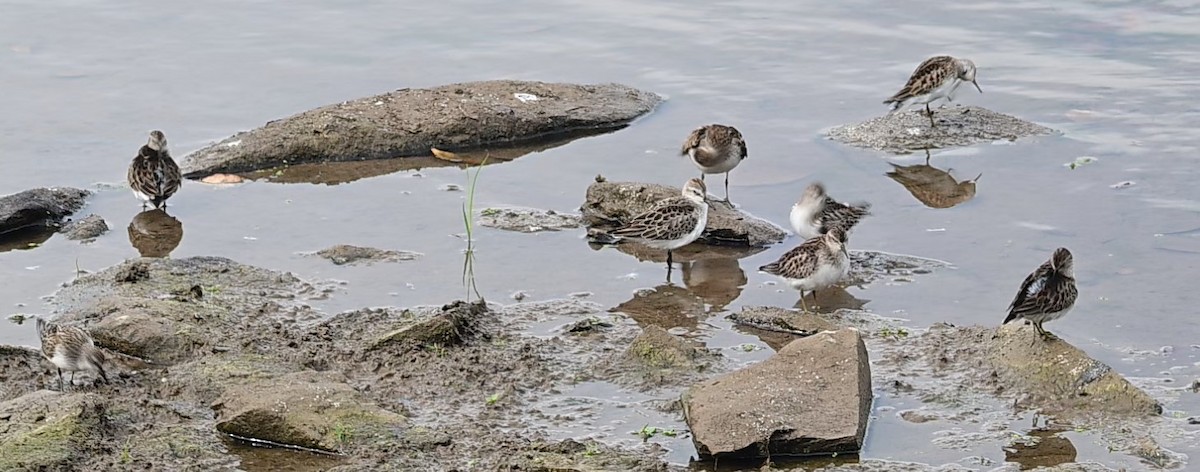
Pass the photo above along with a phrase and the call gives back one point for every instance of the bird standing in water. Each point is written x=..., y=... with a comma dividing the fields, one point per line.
x=153, y=175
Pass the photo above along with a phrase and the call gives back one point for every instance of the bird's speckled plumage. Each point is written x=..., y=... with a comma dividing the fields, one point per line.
x=1048, y=293
x=816, y=212
x=715, y=149
x=936, y=78
x=813, y=265
x=153, y=175
x=70, y=348
x=671, y=223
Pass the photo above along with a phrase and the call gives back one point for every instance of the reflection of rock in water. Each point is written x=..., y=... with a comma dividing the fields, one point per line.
x=666, y=306
x=1046, y=450
x=934, y=187
x=831, y=299
x=154, y=233
x=26, y=238
x=718, y=280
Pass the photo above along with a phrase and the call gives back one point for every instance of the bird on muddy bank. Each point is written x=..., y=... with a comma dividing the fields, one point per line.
x=816, y=212
x=936, y=78
x=813, y=265
x=1047, y=294
x=715, y=149
x=153, y=175
x=671, y=223
x=72, y=349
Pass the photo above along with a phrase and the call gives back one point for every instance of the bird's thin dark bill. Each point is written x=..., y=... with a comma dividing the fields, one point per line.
x=977, y=86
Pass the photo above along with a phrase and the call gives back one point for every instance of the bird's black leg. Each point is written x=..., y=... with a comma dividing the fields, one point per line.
x=103, y=375
x=930, y=113
x=60, y=380
x=726, y=187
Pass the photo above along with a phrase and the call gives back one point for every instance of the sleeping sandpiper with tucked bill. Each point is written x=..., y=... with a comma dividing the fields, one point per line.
x=671, y=223
x=70, y=348
x=153, y=175
x=936, y=78
x=715, y=149
x=816, y=212
x=1047, y=294
x=813, y=265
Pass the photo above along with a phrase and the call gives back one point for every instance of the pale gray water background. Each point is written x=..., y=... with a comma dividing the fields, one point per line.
x=81, y=82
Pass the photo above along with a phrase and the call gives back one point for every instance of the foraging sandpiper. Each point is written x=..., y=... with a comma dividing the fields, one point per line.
x=936, y=78
x=70, y=348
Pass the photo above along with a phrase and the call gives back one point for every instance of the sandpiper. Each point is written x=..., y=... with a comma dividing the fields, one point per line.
x=671, y=223
x=817, y=212
x=153, y=175
x=936, y=78
x=1048, y=293
x=715, y=149
x=70, y=348
x=814, y=264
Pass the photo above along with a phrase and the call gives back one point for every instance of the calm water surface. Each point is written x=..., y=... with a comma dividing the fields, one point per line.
x=83, y=81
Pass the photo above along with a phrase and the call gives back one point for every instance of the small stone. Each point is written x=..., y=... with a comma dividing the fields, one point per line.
x=87, y=229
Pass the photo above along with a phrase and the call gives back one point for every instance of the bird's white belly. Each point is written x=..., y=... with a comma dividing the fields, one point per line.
x=141, y=195
x=946, y=91
x=1048, y=316
x=803, y=222
x=692, y=236
x=825, y=276
x=727, y=162
x=62, y=362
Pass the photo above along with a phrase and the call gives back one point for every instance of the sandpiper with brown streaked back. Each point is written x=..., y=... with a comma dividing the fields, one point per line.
x=813, y=265
x=153, y=175
x=936, y=78
x=816, y=212
x=715, y=149
x=1048, y=293
x=671, y=223
x=70, y=348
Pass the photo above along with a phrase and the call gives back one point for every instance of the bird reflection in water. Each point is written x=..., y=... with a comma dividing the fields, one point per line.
x=933, y=187
x=154, y=233
x=831, y=299
x=1048, y=449
x=717, y=280
x=711, y=282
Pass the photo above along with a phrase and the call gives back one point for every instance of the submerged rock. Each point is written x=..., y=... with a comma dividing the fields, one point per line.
x=812, y=397
x=608, y=204
x=903, y=133
x=408, y=122
x=526, y=220
x=87, y=229
x=656, y=357
x=344, y=254
x=39, y=207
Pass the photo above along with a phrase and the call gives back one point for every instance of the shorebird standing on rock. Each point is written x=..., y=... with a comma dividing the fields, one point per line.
x=715, y=149
x=936, y=78
x=671, y=223
x=153, y=175
x=70, y=348
x=1047, y=294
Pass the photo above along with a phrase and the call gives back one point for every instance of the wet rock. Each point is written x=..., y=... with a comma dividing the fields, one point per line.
x=49, y=431
x=870, y=266
x=87, y=229
x=657, y=350
x=39, y=207
x=1013, y=362
x=343, y=254
x=154, y=233
x=902, y=133
x=812, y=397
x=782, y=320
x=314, y=410
x=610, y=203
x=135, y=328
x=408, y=122
x=20, y=368
x=527, y=220
x=447, y=328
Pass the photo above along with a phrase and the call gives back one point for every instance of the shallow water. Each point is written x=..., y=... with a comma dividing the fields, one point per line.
x=84, y=81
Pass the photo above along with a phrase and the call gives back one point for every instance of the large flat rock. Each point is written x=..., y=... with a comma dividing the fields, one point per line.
x=903, y=133
x=408, y=122
x=812, y=397
x=608, y=204
x=39, y=207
